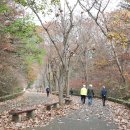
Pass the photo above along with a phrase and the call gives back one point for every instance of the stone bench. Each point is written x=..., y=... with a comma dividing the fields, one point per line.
x=49, y=106
x=15, y=114
x=68, y=100
x=57, y=93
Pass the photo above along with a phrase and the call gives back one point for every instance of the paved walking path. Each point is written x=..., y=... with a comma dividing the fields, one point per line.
x=27, y=100
x=95, y=117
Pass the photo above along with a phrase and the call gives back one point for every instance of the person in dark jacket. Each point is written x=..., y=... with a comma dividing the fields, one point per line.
x=103, y=95
x=90, y=94
x=47, y=91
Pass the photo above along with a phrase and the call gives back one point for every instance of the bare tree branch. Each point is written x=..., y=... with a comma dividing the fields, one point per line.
x=46, y=31
x=106, y=6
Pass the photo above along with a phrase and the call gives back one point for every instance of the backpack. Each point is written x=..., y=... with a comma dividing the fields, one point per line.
x=90, y=92
x=47, y=90
x=104, y=92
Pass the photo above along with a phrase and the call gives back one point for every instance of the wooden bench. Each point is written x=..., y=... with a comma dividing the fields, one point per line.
x=68, y=100
x=15, y=114
x=49, y=106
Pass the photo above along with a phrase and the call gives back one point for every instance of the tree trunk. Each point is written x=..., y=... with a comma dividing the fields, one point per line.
x=60, y=85
x=67, y=83
x=118, y=64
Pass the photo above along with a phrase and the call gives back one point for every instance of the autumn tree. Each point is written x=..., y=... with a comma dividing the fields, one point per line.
x=101, y=20
x=18, y=46
x=65, y=20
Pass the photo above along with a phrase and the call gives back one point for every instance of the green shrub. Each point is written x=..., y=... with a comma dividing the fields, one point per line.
x=120, y=101
x=76, y=92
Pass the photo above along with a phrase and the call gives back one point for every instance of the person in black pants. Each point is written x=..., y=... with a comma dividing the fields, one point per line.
x=103, y=95
x=47, y=91
x=83, y=93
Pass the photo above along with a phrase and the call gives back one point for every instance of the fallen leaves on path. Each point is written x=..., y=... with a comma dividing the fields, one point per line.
x=41, y=118
x=118, y=113
x=121, y=115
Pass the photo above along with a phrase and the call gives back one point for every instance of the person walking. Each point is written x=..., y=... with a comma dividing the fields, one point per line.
x=83, y=93
x=90, y=94
x=47, y=91
x=103, y=95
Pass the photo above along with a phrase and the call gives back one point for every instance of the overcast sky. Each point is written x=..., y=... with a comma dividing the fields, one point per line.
x=113, y=5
